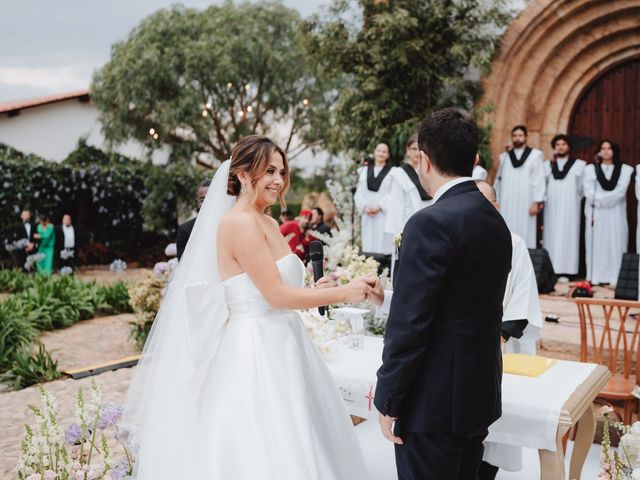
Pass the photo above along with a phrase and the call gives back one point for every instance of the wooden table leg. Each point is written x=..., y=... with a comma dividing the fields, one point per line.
x=552, y=463
x=583, y=441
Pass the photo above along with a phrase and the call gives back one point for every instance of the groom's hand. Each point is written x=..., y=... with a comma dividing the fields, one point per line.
x=376, y=294
x=386, y=425
x=325, y=282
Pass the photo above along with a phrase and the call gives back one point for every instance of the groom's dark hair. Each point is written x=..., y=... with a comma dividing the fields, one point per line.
x=450, y=138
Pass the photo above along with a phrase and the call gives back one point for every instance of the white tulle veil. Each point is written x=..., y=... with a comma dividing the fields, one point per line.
x=162, y=411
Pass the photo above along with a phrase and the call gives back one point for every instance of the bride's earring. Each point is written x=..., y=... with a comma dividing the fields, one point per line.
x=243, y=190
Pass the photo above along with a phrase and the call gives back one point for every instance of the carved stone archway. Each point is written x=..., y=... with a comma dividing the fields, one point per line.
x=548, y=56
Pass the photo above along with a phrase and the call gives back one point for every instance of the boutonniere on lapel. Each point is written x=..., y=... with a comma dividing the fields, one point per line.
x=397, y=241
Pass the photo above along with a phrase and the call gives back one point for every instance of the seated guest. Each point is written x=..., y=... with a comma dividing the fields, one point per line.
x=292, y=231
x=184, y=230
x=521, y=325
x=317, y=221
x=67, y=243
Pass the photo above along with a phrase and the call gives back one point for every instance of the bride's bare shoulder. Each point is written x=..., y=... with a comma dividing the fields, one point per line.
x=236, y=222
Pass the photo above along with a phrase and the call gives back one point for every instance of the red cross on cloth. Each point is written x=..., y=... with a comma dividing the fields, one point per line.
x=370, y=396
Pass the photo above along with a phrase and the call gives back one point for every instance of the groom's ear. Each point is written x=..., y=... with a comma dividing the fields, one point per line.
x=425, y=162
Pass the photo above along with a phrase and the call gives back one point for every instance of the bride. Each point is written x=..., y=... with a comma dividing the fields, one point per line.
x=230, y=385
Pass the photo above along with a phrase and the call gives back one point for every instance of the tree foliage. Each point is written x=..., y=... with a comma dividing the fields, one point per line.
x=401, y=59
x=197, y=80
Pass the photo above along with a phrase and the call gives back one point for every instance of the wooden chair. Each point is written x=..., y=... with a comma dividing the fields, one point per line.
x=619, y=335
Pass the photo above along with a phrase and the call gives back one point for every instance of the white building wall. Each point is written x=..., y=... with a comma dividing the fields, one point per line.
x=52, y=131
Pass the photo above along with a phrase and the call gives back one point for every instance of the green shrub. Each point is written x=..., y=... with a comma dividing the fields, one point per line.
x=29, y=368
x=13, y=281
x=115, y=298
x=16, y=331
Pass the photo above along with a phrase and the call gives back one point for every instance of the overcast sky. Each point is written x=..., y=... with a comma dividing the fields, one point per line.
x=53, y=46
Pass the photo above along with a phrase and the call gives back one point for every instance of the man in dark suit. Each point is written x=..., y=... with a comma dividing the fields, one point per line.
x=439, y=388
x=184, y=230
x=24, y=234
x=67, y=245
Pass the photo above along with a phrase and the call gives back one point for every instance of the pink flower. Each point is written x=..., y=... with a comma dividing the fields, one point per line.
x=50, y=475
x=602, y=411
x=75, y=453
x=76, y=465
x=80, y=475
x=34, y=476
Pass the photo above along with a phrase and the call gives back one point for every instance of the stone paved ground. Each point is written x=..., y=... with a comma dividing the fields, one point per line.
x=104, y=339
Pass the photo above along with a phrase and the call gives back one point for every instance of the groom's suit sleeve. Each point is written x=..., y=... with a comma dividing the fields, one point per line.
x=425, y=259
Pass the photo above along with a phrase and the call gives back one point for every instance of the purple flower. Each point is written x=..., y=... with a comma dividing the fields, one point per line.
x=73, y=434
x=120, y=471
x=109, y=415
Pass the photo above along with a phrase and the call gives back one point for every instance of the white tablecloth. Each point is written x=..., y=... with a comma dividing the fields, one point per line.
x=530, y=406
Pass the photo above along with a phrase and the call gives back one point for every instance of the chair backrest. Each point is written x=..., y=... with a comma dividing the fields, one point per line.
x=608, y=337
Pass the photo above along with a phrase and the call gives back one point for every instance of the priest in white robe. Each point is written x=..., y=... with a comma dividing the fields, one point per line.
x=479, y=173
x=605, y=187
x=374, y=185
x=407, y=195
x=520, y=185
x=521, y=326
x=564, y=176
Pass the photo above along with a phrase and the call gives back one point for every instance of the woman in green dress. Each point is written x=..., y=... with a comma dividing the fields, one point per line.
x=46, y=235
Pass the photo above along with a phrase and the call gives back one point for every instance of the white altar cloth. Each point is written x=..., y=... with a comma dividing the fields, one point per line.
x=530, y=406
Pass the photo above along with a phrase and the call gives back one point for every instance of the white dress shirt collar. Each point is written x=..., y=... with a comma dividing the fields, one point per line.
x=447, y=186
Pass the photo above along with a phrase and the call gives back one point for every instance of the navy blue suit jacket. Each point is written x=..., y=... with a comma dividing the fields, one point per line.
x=442, y=363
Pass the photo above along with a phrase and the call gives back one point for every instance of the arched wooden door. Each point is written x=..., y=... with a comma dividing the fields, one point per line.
x=610, y=108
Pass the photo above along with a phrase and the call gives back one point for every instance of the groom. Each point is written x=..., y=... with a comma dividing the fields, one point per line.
x=439, y=387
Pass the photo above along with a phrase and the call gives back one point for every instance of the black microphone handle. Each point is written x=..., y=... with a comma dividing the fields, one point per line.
x=318, y=273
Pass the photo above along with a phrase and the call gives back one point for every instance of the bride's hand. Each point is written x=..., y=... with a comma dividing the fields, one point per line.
x=358, y=290
x=325, y=282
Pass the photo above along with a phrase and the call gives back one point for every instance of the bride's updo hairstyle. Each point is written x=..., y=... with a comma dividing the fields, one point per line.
x=253, y=154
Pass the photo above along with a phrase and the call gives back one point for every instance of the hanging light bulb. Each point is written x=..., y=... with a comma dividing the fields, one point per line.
x=229, y=85
x=155, y=136
x=241, y=114
x=249, y=108
x=208, y=106
x=204, y=113
x=247, y=87
x=152, y=131
x=305, y=102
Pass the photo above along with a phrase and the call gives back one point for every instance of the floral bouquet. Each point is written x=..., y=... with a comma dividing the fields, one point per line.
x=64, y=271
x=32, y=260
x=623, y=463
x=66, y=253
x=88, y=450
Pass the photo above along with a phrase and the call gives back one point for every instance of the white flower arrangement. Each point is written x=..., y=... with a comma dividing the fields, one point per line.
x=33, y=259
x=623, y=463
x=64, y=271
x=78, y=453
x=118, y=266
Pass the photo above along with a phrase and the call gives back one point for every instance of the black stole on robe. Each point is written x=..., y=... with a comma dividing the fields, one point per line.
x=413, y=176
x=608, y=185
x=518, y=163
x=373, y=182
x=561, y=174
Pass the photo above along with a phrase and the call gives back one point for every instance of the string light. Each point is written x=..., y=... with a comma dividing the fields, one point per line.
x=152, y=131
x=305, y=102
x=155, y=136
x=204, y=113
x=247, y=87
x=249, y=108
x=241, y=113
x=208, y=106
x=229, y=85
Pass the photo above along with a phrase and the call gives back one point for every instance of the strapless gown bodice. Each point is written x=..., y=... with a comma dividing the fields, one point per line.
x=273, y=411
x=243, y=298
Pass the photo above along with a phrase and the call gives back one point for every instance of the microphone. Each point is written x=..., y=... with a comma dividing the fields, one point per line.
x=316, y=255
x=598, y=158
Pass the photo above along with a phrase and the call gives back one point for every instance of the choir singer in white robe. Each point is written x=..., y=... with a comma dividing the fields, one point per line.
x=407, y=195
x=564, y=176
x=479, y=173
x=521, y=326
x=605, y=187
x=374, y=185
x=520, y=186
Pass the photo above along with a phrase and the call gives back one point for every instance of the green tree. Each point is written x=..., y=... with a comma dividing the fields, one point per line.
x=399, y=60
x=197, y=80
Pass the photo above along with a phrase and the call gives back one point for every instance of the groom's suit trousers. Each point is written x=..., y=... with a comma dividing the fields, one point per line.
x=439, y=456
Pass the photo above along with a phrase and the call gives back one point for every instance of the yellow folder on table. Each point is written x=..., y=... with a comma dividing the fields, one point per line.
x=527, y=365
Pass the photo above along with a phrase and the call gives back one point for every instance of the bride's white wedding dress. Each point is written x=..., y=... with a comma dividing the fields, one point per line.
x=273, y=410
x=229, y=388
